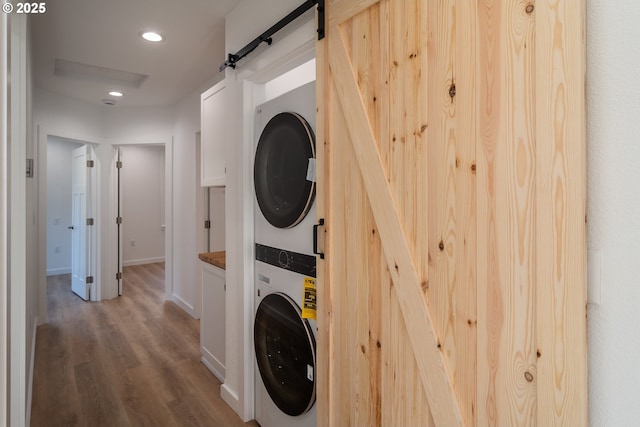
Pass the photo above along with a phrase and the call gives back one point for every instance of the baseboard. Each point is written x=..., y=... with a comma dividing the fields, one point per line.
x=231, y=398
x=58, y=271
x=212, y=364
x=33, y=365
x=184, y=305
x=142, y=261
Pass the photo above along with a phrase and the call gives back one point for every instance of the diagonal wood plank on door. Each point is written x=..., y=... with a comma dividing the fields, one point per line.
x=433, y=371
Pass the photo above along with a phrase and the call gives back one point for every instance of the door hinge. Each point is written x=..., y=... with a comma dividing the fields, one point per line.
x=118, y=164
x=207, y=224
x=89, y=221
x=318, y=249
x=29, y=168
x=89, y=279
x=119, y=275
x=119, y=220
x=90, y=163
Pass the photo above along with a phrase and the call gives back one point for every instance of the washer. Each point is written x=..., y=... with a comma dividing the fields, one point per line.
x=284, y=181
x=285, y=348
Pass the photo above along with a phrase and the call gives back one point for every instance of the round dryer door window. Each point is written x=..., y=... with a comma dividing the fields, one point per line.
x=285, y=352
x=285, y=149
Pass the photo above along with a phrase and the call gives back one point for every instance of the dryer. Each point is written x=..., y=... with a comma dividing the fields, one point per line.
x=284, y=171
x=284, y=182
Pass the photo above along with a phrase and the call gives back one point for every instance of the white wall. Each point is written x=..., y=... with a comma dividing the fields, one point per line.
x=142, y=195
x=138, y=125
x=217, y=217
x=187, y=288
x=613, y=96
x=68, y=115
x=59, y=205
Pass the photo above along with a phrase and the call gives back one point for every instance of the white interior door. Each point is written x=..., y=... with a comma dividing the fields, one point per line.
x=81, y=236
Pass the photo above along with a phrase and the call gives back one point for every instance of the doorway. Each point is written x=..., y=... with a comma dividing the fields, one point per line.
x=59, y=205
x=141, y=207
x=71, y=208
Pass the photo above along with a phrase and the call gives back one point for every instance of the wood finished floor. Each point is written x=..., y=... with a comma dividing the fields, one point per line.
x=131, y=361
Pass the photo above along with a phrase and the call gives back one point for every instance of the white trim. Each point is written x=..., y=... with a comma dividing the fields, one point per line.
x=4, y=326
x=212, y=363
x=142, y=261
x=17, y=220
x=184, y=305
x=32, y=363
x=231, y=398
x=58, y=271
x=168, y=218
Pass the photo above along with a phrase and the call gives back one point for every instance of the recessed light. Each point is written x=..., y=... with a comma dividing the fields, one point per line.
x=151, y=36
x=115, y=93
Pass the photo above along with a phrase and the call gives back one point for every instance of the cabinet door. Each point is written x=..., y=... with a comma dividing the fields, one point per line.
x=214, y=135
x=212, y=321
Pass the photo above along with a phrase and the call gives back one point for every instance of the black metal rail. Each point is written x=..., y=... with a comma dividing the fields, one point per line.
x=265, y=37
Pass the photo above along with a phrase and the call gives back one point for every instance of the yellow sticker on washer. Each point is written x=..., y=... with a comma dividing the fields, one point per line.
x=309, y=299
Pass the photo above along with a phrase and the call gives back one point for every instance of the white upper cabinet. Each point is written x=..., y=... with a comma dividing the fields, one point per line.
x=214, y=130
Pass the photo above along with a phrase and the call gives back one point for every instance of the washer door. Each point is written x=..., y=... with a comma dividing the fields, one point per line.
x=283, y=154
x=286, y=354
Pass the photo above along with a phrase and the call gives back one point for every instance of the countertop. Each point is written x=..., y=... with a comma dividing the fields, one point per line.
x=218, y=259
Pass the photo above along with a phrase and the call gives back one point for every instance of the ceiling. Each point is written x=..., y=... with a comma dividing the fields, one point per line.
x=105, y=34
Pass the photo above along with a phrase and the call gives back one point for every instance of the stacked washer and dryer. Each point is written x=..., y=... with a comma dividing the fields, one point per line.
x=284, y=181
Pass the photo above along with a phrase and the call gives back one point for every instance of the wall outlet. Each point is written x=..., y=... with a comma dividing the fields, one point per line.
x=132, y=243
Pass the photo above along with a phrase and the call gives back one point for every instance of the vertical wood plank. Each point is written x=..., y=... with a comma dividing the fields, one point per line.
x=490, y=298
x=339, y=397
x=452, y=139
x=506, y=216
x=442, y=180
x=466, y=117
x=561, y=213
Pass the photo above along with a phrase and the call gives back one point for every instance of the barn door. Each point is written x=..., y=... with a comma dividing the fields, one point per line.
x=452, y=291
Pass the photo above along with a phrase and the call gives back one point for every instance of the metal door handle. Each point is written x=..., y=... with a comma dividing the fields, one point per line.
x=316, y=238
x=70, y=227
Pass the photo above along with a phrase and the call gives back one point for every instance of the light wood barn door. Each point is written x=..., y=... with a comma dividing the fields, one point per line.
x=453, y=187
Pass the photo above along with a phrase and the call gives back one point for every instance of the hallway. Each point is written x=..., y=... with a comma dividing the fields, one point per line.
x=130, y=361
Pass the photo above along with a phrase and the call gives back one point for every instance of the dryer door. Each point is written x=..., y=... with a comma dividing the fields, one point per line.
x=285, y=352
x=285, y=150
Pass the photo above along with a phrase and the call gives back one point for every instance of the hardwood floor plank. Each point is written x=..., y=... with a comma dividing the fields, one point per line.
x=56, y=394
x=143, y=408
x=100, y=404
x=116, y=348
x=130, y=361
x=191, y=413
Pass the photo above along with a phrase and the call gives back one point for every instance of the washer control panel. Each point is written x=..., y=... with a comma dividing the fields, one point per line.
x=293, y=261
